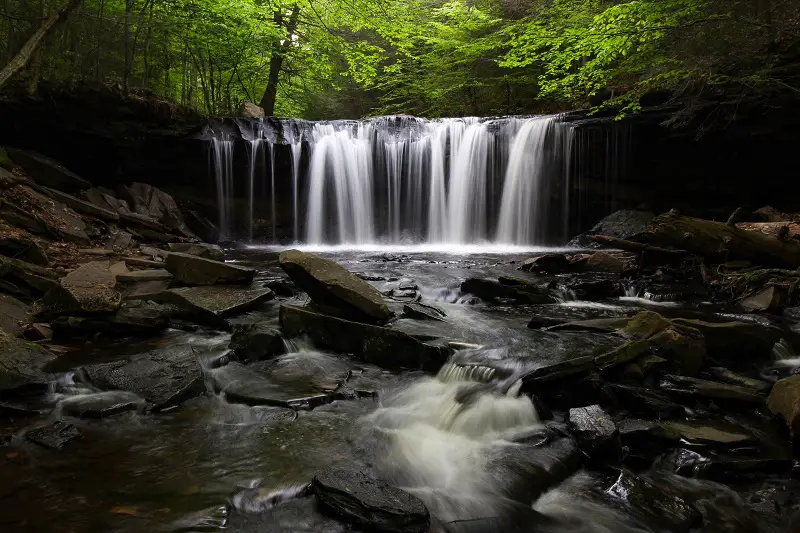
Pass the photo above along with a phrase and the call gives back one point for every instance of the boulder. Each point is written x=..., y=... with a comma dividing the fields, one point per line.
x=551, y=263
x=596, y=289
x=604, y=262
x=334, y=289
x=710, y=432
x=13, y=314
x=165, y=377
x=597, y=435
x=623, y=224
x=200, y=249
x=379, y=345
x=151, y=202
x=770, y=299
x=682, y=386
x=513, y=289
x=81, y=206
x=744, y=341
x=369, y=503
x=87, y=289
x=784, y=401
x=677, y=342
x=211, y=304
x=193, y=270
x=46, y=171
x=281, y=287
x=256, y=342
x=656, y=504
x=25, y=249
x=250, y=110
x=21, y=365
x=423, y=312
x=137, y=317
x=54, y=436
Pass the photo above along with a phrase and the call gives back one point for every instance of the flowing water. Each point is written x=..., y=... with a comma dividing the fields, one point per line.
x=400, y=179
x=464, y=441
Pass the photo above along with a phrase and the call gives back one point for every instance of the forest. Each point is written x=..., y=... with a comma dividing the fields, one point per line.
x=352, y=58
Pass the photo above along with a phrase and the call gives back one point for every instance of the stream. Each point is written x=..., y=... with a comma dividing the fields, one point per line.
x=468, y=450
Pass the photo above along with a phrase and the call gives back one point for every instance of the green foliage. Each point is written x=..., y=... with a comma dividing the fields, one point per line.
x=349, y=58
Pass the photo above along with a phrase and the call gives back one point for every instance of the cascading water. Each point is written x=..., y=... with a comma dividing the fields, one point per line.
x=400, y=179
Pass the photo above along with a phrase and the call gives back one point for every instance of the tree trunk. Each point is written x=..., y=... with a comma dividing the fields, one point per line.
x=23, y=57
x=126, y=78
x=279, y=51
x=35, y=64
x=720, y=241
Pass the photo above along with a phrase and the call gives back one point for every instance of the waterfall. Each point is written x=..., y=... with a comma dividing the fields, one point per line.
x=222, y=157
x=399, y=179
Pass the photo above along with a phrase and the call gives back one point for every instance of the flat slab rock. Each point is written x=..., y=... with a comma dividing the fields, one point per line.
x=211, y=304
x=693, y=387
x=158, y=274
x=370, y=503
x=87, y=289
x=164, y=377
x=655, y=503
x=193, y=270
x=711, y=432
x=54, y=436
x=209, y=251
x=334, y=289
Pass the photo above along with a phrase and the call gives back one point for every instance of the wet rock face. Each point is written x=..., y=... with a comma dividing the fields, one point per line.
x=598, y=436
x=54, y=436
x=21, y=366
x=784, y=401
x=370, y=503
x=256, y=342
x=507, y=288
x=193, y=270
x=654, y=503
x=334, y=289
x=379, y=345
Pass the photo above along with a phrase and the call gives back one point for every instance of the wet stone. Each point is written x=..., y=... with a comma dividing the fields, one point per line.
x=423, y=312
x=598, y=436
x=54, y=436
x=209, y=251
x=256, y=342
x=281, y=287
x=784, y=402
x=193, y=270
x=21, y=364
x=732, y=378
x=545, y=263
x=654, y=503
x=646, y=402
x=683, y=386
x=101, y=404
x=709, y=432
x=242, y=384
x=560, y=370
x=211, y=304
x=509, y=289
x=726, y=466
x=370, y=503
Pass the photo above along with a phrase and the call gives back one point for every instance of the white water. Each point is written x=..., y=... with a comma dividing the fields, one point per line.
x=402, y=180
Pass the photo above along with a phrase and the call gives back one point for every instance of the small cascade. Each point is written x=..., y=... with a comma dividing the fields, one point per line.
x=401, y=179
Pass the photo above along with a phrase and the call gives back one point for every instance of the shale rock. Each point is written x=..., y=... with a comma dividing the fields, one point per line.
x=623, y=224
x=604, y=262
x=26, y=208
x=683, y=386
x=24, y=250
x=369, y=503
x=423, y=312
x=683, y=345
x=87, y=289
x=164, y=377
x=136, y=317
x=137, y=276
x=709, y=432
x=647, y=402
x=770, y=299
x=26, y=277
x=654, y=503
x=21, y=364
x=200, y=249
x=546, y=263
x=513, y=289
x=597, y=289
x=193, y=270
x=46, y=171
x=379, y=345
x=709, y=463
x=13, y=314
x=256, y=342
x=251, y=110
x=742, y=341
x=732, y=378
x=81, y=206
x=556, y=371
x=598, y=436
x=210, y=305
x=623, y=354
x=151, y=202
x=334, y=289
x=784, y=401
x=646, y=435
x=54, y=436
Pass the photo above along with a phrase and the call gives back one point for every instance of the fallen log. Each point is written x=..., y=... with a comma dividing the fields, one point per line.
x=636, y=247
x=718, y=240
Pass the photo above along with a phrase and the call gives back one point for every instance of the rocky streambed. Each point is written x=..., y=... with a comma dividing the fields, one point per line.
x=171, y=385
